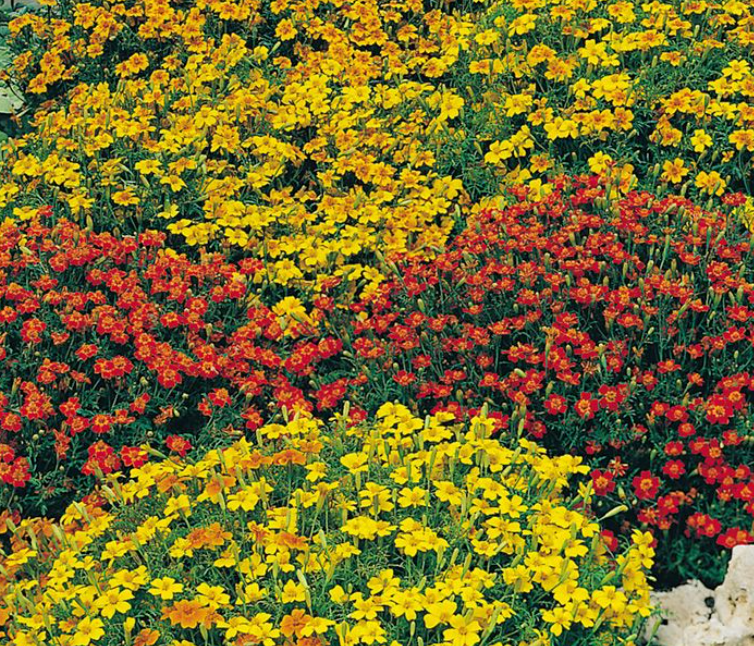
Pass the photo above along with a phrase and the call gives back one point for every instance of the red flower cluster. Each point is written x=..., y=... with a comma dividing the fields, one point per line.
x=117, y=342
x=14, y=470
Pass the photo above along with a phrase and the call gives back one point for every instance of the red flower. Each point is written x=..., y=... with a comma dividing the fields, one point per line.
x=11, y=422
x=101, y=423
x=646, y=485
x=101, y=458
x=674, y=469
x=696, y=379
x=253, y=418
x=169, y=378
x=31, y=331
x=133, y=456
x=18, y=473
x=7, y=454
x=586, y=407
x=611, y=397
x=86, y=351
x=78, y=424
x=70, y=407
x=403, y=378
x=677, y=414
x=648, y=380
x=421, y=361
x=735, y=536
x=610, y=539
x=603, y=482
x=674, y=448
x=556, y=404
x=178, y=444
x=704, y=525
x=667, y=366
x=220, y=397
x=719, y=410
x=139, y=405
x=731, y=438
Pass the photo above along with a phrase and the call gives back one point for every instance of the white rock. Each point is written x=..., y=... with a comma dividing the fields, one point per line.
x=694, y=615
x=734, y=599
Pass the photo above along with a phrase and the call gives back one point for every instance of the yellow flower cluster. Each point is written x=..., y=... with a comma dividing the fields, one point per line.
x=394, y=532
x=368, y=127
x=312, y=160
x=652, y=93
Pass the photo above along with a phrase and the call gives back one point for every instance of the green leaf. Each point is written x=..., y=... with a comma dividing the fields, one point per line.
x=6, y=56
x=9, y=102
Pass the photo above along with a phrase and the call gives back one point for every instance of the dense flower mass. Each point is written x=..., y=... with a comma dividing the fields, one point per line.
x=373, y=533
x=313, y=134
x=617, y=329
x=622, y=330
x=222, y=221
x=108, y=342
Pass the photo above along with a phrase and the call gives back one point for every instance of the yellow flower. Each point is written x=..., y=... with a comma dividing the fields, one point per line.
x=487, y=37
x=178, y=506
x=540, y=163
x=610, y=597
x=88, y=630
x=560, y=128
x=338, y=595
x=165, y=588
x=462, y=632
x=448, y=492
x=522, y=24
x=600, y=162
x=186, y=614
x=539, y=190
x=710, y=183
x=148, y=166
x=560, y=619
x=285, y=30
x=130, y=579
x=114, y=600
x=674, y=171
x=174, y=182
x=440, y=612
x=213, y=596
x=355, y=462
x=415, y=497
x=701, y=141
x=126, y=197
x=450, y=105
x=376, y=498
x=170, y=212
x=133, y=65
x=293, y=592
x=742, y=139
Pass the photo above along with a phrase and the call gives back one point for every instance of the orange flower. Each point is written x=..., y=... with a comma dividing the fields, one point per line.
x=289, y=456
x=186, y=614
x=146, y=637
x=294, y=623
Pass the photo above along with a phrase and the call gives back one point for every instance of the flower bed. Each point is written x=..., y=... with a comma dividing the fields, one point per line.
x=618, y=331
x=375, y=533
x=222, y=211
